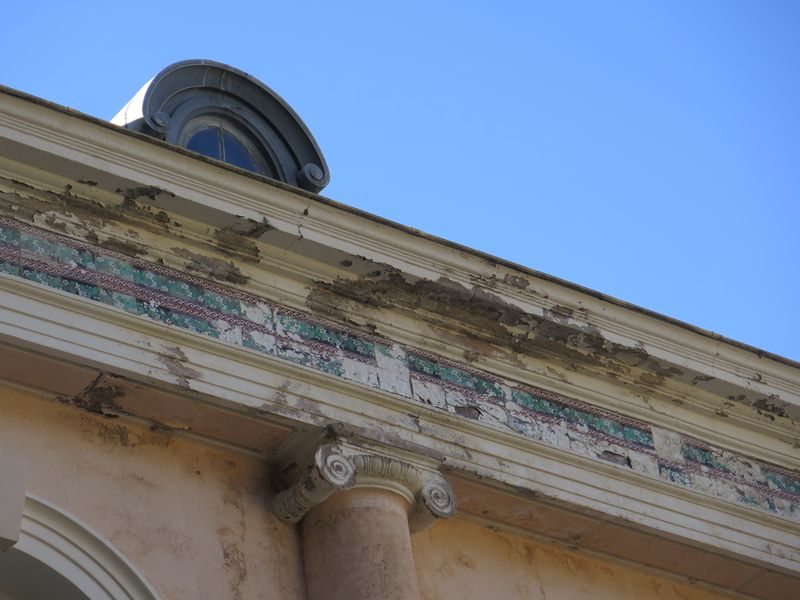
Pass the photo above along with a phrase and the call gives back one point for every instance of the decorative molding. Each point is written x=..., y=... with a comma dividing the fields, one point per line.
x=69, y=136
x=13, y=475
x=258, y=385
x=341, y=465
x=329, y=472
x=188, y=302
x=79, y=554
x=262, y=386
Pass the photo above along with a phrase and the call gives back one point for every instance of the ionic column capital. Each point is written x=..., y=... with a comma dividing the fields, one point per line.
x=337, y=465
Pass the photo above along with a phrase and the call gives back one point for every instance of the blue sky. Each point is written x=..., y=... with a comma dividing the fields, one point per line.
x=648, y=150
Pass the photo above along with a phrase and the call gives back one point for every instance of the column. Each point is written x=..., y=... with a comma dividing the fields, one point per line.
x=357, y=508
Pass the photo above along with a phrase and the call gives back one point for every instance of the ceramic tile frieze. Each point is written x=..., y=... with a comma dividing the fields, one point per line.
x=726, y=474
x=181, y=300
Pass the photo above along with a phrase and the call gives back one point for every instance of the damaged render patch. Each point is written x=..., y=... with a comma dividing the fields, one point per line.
x=483, y=318
x=237, y=239
x=213, y=268
x=175, y=361
x=100, y=396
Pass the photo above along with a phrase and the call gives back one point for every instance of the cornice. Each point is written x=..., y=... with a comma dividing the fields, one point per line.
x=216, y=191
x=658, y=413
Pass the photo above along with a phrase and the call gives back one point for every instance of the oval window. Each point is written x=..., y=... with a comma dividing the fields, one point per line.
x=219, y=143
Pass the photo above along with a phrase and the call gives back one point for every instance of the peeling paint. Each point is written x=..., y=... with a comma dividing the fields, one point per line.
x=232, y=243
x=213, y=268
x=180, y=300
x=174, y=360
x=147, y=191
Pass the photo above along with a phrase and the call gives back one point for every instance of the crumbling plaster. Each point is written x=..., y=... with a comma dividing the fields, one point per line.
x=316, y=230
x=479, y=325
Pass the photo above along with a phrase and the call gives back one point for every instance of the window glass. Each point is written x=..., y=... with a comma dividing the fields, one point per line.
x=235, y=152
x=206, y=141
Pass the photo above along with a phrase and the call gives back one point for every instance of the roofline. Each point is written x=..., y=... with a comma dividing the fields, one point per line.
x=759, y=352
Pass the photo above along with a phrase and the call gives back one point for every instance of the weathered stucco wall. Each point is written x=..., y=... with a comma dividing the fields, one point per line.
x=191, y=519
x=458, y=560
x=169, y=504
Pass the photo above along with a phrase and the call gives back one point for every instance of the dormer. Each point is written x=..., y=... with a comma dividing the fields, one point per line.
x=225, y=114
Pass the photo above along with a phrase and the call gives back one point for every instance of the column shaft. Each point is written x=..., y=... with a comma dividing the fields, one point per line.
x=357, y=546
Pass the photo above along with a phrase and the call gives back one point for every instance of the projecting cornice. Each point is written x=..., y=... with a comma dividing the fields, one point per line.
x=37, y=132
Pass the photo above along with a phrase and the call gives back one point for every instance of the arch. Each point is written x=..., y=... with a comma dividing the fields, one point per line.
x=196, y=89
x=56, y=551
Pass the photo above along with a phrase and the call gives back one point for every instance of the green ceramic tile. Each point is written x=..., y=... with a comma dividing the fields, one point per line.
x=152, y=310
x=187, y=291
x=638, y=436
x=484, y=386
x=68, y=255
x=11, y=268
x=522, y=398
x=180, y=319
x=223, y=304
x=37, y=246
x=357, y=345
x=676, y=476
x=310, y=358
x=608, y=426
x=41, y=277
x=456, y=376
x=548, y=408
x=84, y=290
x=783, y=482
x=119, y=300
x=299, y=327
x=704, y=457
x=151, y=280
x=423, y=365
x=115, y=267
x=319, y=333
x=9, y=236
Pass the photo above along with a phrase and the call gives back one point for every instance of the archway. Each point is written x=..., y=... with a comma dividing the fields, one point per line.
x=59, y=557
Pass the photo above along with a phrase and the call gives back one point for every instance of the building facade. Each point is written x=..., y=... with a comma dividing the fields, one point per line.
x=215, y=383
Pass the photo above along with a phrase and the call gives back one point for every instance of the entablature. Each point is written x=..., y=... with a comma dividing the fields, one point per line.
x=242, y=310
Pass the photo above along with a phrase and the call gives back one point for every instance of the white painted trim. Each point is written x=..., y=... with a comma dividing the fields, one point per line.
x=225, y=193
x=89, y=333
x=79, y=554
x=211, y=189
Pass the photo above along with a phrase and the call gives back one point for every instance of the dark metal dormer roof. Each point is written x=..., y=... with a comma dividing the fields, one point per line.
x=224, y=113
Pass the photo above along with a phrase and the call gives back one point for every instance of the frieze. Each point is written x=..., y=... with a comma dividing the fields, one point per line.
x=182, y=300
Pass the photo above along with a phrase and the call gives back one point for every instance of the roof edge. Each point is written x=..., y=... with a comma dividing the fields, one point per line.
x=73, y=113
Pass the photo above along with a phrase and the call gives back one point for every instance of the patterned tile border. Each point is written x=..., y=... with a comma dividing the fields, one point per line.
x=182, y=300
